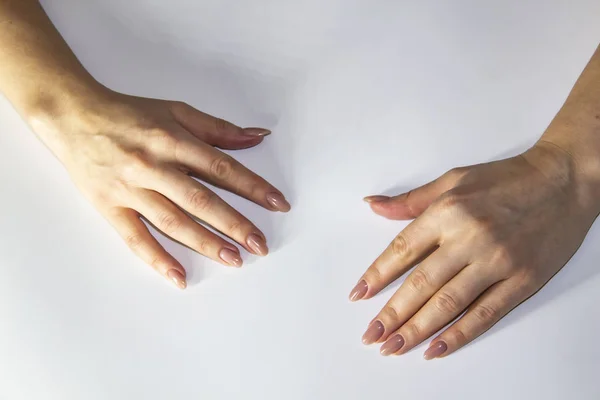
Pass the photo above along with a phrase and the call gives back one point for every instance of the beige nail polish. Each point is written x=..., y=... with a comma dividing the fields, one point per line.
x=177, y=278
x=231, y=257
x=257, y=244
x=373, y=199
x=392, y=345
x=373, y=333
x=359, y=291
x=256, y=132
x=278, y=202
x=435, y=350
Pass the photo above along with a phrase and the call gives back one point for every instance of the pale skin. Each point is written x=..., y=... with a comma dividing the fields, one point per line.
x=133, y=157
x=489, y=235
x=477, y=232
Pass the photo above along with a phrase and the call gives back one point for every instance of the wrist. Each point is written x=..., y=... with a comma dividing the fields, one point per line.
x=55, y=115
x=577, y=172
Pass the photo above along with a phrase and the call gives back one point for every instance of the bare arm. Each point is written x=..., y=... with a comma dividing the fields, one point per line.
x=38, y=72
x=576, y=128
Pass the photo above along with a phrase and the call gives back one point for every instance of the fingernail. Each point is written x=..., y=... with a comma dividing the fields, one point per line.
x=177, y=278
x=278, y=202
x=256, y=132
x=374, y=333
x=231, y=257
x=435, y=350
x=359, y=291
x=373, y=199
x=392, y=345
x=257, y=244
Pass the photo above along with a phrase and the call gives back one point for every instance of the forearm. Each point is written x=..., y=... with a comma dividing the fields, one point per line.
x=39, y=74
x=576, y=127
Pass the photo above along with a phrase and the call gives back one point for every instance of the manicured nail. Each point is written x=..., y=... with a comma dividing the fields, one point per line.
x=256, y=132
x=278, y=202
x=177, y=278
x=231, y=257
x=257, y=244
x=373, y=199
x=359, y=291
x=392, y=345
x=374, y=333
x=435, y=350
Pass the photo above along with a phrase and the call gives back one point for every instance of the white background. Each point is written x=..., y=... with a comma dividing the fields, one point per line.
x=363, y=97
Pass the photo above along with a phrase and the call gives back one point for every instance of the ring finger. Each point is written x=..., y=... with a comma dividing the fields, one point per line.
x=204, y=204
x=174, y=223
x=422, y=283
x=445, y=305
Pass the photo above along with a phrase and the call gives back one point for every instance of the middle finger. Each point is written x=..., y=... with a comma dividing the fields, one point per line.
x=422, y=283
x=204, y=204
x=445, y=305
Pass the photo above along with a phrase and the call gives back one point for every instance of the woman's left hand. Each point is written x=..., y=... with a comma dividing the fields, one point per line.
x=489, y=235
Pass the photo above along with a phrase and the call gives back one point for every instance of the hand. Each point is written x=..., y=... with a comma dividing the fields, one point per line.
x=489, y=235
x=135, y=157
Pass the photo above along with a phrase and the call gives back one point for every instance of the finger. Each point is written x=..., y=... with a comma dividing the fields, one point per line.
x=443, y=307
x=418, y=239
x=215, y=131
x=205, y=205
x=412, y=204
x=173, y=222
x=144, y=245
x=422, y=283
x=219, y=169
x=488, y=309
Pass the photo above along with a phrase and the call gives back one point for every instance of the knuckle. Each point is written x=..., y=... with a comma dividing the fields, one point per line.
x=528, y=281
x=163, y=140
x=374, y=274
x=179, y=105
x=155, y=262
x=501, y=256
x=485, y=313
x=449, y=200
x=483, y=223
x=391, y=312
x=199, y=199
x=204, y=246
x=419, y=280
x=456, y=173
x=221, y=168
x=236, y=229
x=411, y=331
x=169, y=223
x=134, y=241
x=137, y=160
x=458, y=336
x=446, y=303
x=222, y=126
x=400, y=246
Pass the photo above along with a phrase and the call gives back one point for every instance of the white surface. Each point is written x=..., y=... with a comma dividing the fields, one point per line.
x=363, y=97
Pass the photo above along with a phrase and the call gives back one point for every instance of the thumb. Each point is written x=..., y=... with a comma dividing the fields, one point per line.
x=412, y=204
x=215, y=131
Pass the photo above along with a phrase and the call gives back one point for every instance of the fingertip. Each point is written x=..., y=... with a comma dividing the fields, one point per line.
x=256, y=132
x=391, y=210
x=437, y=349
x=177, y=277
x=239, y=142
x=231, y=257
x=278, y=202
x=359, y=291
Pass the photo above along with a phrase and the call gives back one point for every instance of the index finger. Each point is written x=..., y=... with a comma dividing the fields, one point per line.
x=222, y=170
x=415, y=242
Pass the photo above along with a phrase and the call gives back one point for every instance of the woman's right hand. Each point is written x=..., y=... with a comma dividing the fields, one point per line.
x=135, y=157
